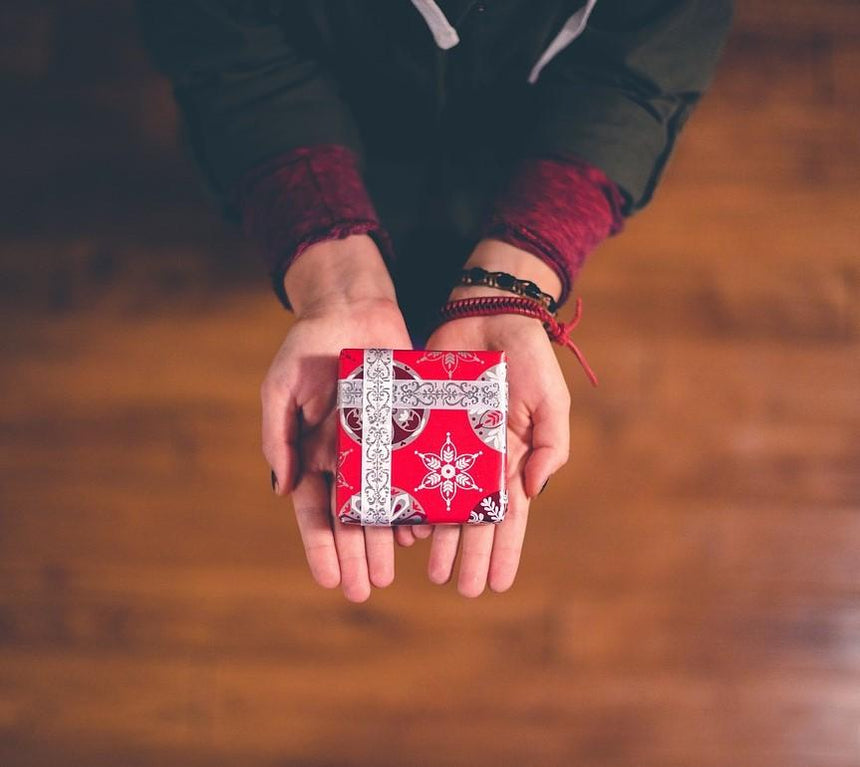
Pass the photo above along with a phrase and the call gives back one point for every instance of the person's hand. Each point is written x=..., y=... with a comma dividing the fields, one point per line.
x=343, y=297
x=538, y=426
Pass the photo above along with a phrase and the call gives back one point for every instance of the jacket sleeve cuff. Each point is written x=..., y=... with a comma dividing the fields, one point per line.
x=308, y=195
x=558, y=210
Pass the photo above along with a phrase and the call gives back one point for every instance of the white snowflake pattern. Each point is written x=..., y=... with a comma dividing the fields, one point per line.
x=448, y=471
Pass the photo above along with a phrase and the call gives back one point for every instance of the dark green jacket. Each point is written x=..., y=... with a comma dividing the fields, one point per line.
x=257, y=79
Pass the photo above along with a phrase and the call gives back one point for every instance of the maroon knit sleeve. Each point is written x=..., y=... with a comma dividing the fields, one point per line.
x=559, y=210
x=303, y=197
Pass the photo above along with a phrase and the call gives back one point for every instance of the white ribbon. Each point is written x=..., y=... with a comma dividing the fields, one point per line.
x=429, y=395
x=376, y=433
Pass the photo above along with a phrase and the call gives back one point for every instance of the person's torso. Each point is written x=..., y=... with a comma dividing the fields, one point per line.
x=404, y=88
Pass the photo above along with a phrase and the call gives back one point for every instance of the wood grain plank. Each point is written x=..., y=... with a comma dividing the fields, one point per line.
x=689, y=588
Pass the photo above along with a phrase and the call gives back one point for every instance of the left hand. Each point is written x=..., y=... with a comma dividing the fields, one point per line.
x=538, y=427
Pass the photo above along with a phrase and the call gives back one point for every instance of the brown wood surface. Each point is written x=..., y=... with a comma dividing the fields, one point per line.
x=690, y=589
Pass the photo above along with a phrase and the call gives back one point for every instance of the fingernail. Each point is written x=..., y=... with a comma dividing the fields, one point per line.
x=274, y=483
x=544, y=486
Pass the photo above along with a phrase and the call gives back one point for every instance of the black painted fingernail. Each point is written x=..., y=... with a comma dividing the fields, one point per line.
x=544, y=487
x=274, y=482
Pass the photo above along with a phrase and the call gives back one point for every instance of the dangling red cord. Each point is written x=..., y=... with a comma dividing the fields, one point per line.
x=482, y=306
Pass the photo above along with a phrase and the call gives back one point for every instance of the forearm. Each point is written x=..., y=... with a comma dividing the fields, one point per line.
x=309, y=197
x=559, y=211
x=338, y=273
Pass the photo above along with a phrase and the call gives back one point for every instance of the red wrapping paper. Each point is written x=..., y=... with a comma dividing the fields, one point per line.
x=422, y=437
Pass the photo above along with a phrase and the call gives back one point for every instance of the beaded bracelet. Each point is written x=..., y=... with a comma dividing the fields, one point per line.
x=558, y=332
x=504, y=281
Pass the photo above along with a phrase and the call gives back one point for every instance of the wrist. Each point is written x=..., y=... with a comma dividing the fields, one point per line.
x=341, y=272
x=498, y=319
x=498, y=256
x=490, y=310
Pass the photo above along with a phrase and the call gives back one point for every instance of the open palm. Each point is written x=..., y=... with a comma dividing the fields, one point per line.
x=538, y=444
x=299, y=398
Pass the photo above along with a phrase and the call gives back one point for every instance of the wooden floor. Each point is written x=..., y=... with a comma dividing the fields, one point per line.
x=690, y=590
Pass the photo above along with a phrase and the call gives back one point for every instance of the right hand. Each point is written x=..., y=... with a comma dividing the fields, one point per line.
x=343, y=297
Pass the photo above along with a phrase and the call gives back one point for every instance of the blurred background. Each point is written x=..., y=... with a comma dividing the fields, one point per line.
x=690, y=589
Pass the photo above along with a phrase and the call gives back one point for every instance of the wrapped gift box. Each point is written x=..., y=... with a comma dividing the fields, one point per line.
x=422, y=437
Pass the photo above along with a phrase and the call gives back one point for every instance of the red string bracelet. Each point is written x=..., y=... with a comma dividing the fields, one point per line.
x=482, y=306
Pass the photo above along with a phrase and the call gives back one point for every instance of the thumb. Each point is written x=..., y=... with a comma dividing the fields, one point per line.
x=319, y=446
x=280, y=430
x=550, y=442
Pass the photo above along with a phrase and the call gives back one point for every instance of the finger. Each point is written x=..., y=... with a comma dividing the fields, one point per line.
x=422, y=531
x=319, y=446
x=280, y=432
x=508, y=540
x=379, y=545
x=352, y=556
x=550, y=441
x=311, y=505
x=403, y=534
x=477, y=543
x=443, y=552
